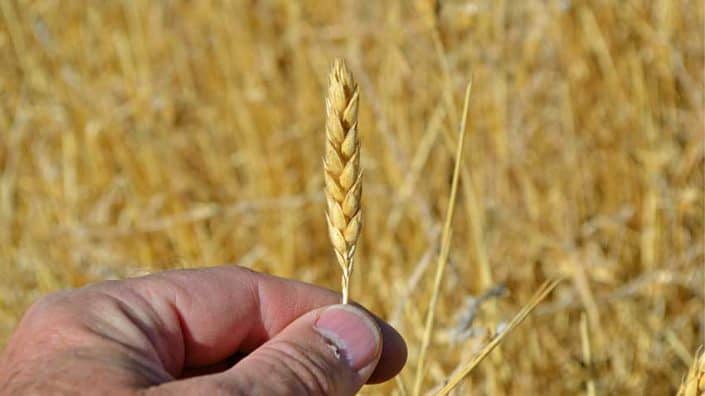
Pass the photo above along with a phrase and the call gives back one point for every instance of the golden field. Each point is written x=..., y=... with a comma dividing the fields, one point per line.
x=137, y=136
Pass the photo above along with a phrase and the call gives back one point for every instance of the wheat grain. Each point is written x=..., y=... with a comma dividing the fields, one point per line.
x=341, y=162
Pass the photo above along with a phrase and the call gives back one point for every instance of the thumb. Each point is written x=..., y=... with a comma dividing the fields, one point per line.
x=331, y=351
x=328, y=351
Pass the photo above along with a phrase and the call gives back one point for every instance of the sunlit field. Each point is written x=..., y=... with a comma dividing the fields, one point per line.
x=138, y=136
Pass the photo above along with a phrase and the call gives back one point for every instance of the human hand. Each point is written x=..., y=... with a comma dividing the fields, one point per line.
x=180, y=332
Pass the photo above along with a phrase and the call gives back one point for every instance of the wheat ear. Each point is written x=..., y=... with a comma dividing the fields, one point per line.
x=694, y=384
x=342, y=169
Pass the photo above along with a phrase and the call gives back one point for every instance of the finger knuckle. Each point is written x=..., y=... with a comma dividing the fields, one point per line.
x=47, y=304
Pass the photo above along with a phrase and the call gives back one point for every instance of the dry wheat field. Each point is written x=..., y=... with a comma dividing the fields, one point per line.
x=137, y=136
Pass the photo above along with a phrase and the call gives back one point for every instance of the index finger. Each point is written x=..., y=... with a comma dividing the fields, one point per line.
x=210, y=314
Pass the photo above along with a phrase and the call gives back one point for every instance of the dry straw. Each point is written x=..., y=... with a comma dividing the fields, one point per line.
x=341, y=163
x=464, y=369
x=445, y=248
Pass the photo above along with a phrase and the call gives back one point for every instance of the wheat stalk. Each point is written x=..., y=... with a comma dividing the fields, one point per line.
x=341, y=163
x=463, y=370
x=445, y=248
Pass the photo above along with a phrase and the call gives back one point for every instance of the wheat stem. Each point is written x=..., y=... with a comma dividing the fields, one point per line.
x=445, y=248
x=465, y=369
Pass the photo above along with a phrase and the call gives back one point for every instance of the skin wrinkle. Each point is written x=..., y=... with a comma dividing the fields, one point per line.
x=129, y=364
x=108, y=330
x=180, y=305
x=129, y=359
x=124, y=311
x=260, y=302
x=307, y=374
x=239, y=334
x=183, y=330
x=59, y=372
x=298, y=364
x=105, y=338
x=226, y=388
x=154, y=334
x=172, y=352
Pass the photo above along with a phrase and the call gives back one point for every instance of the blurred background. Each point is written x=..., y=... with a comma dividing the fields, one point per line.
x=138, y=136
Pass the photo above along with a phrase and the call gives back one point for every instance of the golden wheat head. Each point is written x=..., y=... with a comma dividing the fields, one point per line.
x=694, y=384
x=342, y=169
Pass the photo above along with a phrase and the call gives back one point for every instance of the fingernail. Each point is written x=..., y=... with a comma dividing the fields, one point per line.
x=353, y=333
